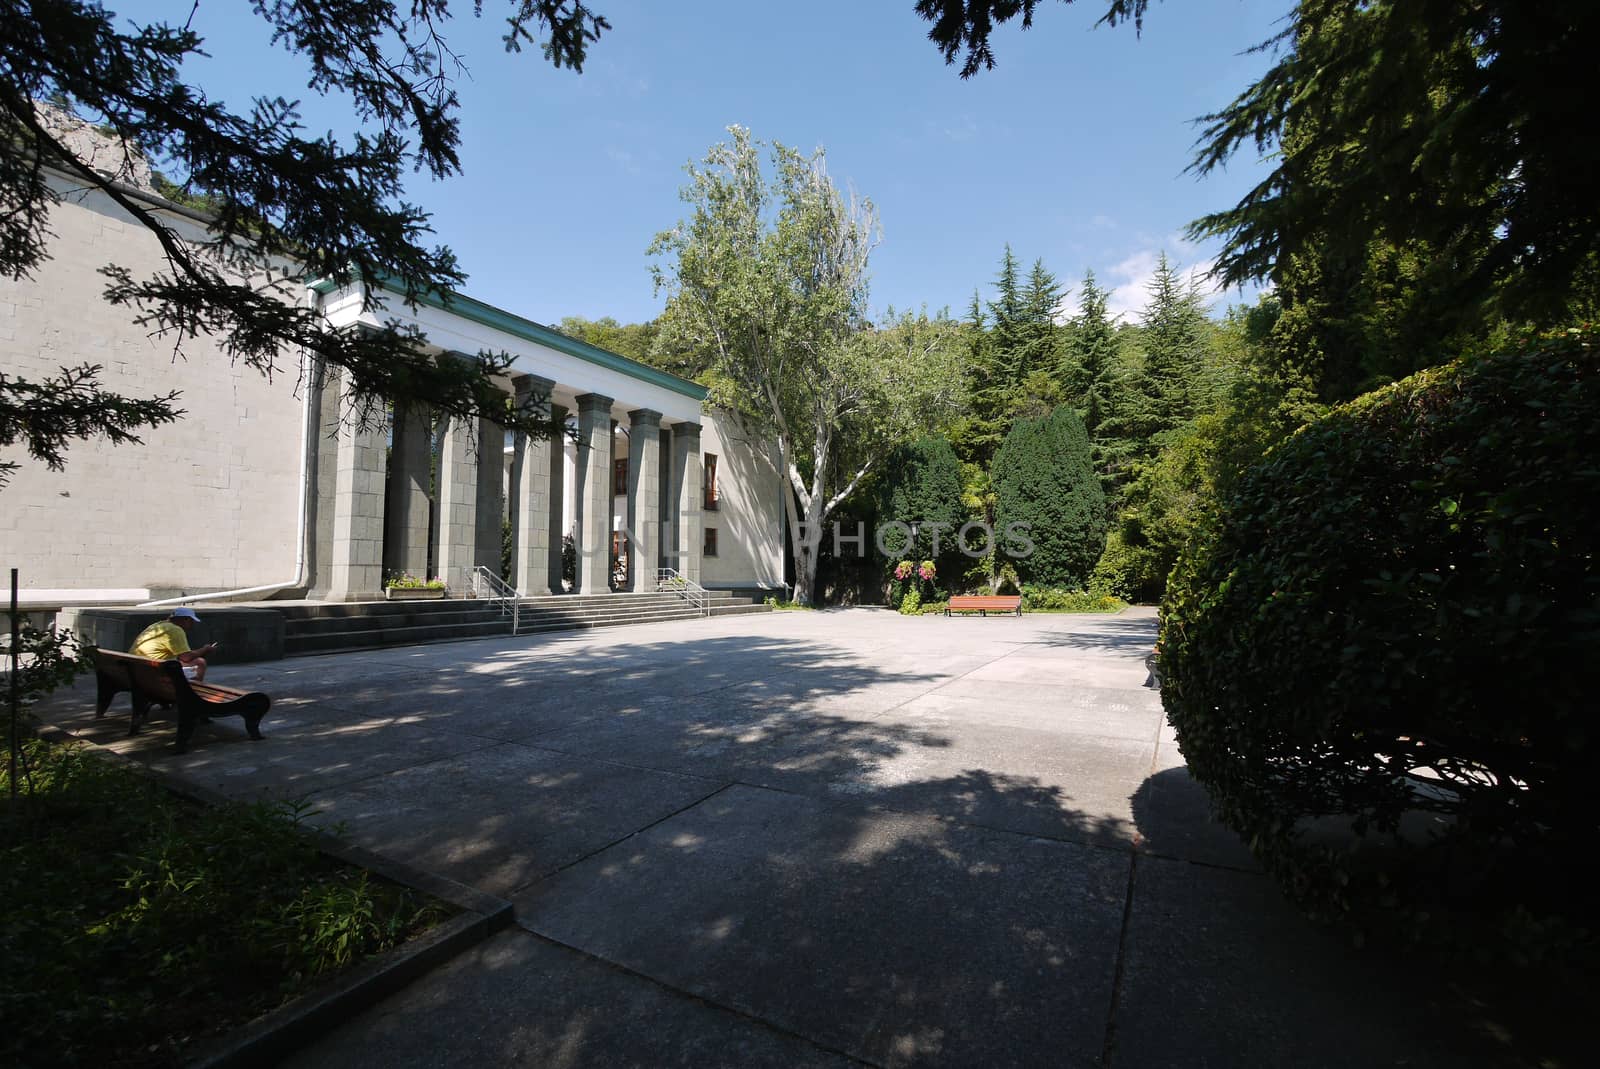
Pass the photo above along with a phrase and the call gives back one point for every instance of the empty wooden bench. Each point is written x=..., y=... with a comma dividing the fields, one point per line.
x=163, y=681
x=984, y=604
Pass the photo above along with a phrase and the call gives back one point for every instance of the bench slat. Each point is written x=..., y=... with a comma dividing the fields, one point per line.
x=163, y=681
x=985, y=603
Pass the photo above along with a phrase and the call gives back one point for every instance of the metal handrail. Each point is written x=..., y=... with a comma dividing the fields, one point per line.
x=495, y=590
x=668, y=581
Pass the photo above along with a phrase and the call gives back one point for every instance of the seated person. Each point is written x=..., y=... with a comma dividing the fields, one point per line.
x=168, y=640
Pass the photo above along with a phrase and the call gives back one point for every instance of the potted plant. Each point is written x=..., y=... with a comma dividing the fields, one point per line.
x=407, y=587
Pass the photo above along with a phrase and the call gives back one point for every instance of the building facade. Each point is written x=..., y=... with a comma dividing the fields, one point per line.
x=269, y=488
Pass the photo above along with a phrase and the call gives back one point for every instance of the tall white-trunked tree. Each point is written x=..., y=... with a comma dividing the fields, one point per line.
x=769, y=278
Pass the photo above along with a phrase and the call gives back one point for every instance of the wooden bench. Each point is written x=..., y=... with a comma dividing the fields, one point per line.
x=163, y=681
x=985, y=604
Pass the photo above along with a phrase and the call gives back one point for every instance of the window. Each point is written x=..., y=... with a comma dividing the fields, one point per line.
x=711, y=542
x=619, y=478
x=711, y=483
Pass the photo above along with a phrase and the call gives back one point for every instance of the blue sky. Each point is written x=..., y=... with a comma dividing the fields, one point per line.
x=1073, y=149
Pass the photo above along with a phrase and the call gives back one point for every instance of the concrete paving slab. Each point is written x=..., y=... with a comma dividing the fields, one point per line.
x=301, y=753
x=1050, y=783
x=898, y=939
x=1221, y=972
x=1114, y=713
x=521, y=1001
x=501, y=817
x=1173, y=816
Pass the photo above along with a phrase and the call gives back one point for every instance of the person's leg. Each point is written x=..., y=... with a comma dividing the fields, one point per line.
x=195, y=670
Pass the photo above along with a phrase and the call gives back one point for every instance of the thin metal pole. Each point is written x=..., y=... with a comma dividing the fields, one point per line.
x=15, y=631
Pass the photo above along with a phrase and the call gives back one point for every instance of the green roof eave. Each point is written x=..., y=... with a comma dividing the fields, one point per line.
x=499, y=319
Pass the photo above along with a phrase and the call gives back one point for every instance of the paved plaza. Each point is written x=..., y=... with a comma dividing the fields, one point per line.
x=811, y=838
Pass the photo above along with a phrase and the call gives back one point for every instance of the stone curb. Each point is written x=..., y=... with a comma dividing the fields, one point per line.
x=268, y=1039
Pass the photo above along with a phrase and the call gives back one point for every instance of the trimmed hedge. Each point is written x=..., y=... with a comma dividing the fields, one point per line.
x=1378, y=654
x=1044, y=477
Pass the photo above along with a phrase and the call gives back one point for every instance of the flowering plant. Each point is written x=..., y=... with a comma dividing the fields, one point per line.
x=414, y=582
x=903, y=570
x=926, y=571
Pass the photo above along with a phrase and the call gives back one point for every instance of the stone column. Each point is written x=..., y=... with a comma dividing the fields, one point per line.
x=556, y=516
x=405, y=543
x=689, y=493
x=644, y=498
x=458, y=505
x=491, y=508
x=356, y=559
x=530, y=480
x=594, y=493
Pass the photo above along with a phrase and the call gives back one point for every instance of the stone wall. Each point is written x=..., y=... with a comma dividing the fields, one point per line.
x=207, y=503
x=748, y=519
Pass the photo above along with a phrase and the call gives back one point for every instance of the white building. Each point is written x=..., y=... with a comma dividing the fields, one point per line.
x=262, y=490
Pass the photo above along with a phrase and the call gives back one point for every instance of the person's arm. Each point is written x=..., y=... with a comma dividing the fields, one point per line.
x=191, y=656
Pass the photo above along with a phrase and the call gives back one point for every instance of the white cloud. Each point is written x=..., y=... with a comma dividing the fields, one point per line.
x=1129, y=280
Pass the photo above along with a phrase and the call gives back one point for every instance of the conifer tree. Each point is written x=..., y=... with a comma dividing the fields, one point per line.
x=1040, y=335
x=1092, y=356
x=1174, y=350
x=1044, y=478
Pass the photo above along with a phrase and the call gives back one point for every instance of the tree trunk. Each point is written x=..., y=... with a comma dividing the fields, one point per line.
x=807, y=550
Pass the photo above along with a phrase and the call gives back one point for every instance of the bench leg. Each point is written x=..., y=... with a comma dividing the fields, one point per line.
x=187, y=719
x=104, y=691
x=252, y=717
x=141, y=711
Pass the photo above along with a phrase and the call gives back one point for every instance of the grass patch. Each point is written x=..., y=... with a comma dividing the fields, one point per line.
x=134, y=923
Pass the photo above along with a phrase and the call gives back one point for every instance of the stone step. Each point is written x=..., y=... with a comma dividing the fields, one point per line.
x=739, y=610
x=375, y=637
x=535, y=619
x=334, y=625
x=351, y=626
x=369, y=609
x=540, y=627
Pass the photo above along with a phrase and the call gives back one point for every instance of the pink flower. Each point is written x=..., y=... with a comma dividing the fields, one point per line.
x=902, y=571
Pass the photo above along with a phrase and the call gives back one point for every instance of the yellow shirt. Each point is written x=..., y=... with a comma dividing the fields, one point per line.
x=161, y=641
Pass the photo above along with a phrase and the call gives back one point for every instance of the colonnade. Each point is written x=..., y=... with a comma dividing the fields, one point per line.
x=457, y=503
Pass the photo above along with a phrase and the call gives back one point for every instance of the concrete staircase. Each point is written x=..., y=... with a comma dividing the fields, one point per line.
x=332, y=626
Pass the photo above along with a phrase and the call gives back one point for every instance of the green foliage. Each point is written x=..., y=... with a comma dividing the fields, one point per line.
x=1175, y=351
x=1058, y=599
x=46, y=659
x=768, y=276
x=407, y=581
x=508, y=550
x=1044, y=480
x=135, y=923
x=1014, y=359
x=921, y=487
x=1441, y=128
x=911, y=604
x=1162, y=507
x=48, y=415
x=332, y=209
x=1395, y=614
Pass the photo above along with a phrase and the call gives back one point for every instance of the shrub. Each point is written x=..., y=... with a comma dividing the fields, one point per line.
x=1044, y=479
x=1161, y=509
x=407, y=581
x=1394, y=615
x=922, y=486
x=911, y=605
x=1056, y=599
